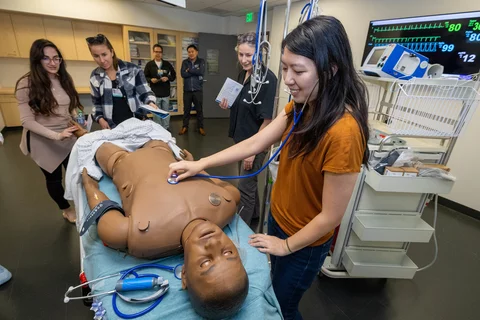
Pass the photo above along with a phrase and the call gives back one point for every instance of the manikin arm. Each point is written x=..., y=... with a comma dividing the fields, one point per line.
x=113, y=225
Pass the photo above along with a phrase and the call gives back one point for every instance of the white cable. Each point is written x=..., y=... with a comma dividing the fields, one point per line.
x=434, y=236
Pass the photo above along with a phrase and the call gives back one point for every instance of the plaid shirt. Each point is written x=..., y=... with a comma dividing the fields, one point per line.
x=131, y=78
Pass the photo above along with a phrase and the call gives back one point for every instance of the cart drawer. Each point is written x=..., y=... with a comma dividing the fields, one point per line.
x=407, y=184
x=378, y=264
x=355, y=241
x=377, y=227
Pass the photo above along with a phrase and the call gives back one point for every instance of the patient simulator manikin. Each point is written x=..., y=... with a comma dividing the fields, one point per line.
x=162, y=219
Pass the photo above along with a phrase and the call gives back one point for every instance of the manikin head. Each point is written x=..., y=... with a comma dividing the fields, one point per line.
x=213, y=272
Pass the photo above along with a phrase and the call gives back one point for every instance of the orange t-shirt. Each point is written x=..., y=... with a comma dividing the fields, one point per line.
x=297, y=192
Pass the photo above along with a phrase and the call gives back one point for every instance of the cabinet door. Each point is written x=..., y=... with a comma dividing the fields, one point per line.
x=11, y=114
x=27, y=30
x=2, y=122
x=138, y=45
x=115, y=36
x=60, y=32
x=9, y=43
x=81, y=31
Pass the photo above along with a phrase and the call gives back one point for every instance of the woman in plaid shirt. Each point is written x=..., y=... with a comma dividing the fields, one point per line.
x=118, y=88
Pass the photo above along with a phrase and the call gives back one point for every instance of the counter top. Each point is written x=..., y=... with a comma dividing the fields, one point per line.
x=10, y=91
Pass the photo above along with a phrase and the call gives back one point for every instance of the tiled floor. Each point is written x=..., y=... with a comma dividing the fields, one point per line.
x=41, y=250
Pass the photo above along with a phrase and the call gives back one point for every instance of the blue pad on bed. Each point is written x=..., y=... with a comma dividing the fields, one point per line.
x=100, y=261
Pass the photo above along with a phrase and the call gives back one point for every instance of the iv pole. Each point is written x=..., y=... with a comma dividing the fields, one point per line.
x=310, y=10
x=268, y=178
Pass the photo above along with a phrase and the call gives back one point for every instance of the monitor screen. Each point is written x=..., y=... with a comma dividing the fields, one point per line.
x=377, y=54
x=452, y=40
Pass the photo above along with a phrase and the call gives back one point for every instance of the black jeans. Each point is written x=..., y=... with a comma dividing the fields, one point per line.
x=248, y=188
x=54, y=185
x=197, y=98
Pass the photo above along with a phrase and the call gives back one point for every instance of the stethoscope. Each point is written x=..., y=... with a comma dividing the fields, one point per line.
x=259, y=76
x=296, y=119
x=138, y=282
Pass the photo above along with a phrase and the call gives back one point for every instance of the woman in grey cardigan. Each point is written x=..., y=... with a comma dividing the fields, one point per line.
x=47, y=100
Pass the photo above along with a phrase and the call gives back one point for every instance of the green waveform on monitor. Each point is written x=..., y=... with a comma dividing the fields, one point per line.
x=421, y=26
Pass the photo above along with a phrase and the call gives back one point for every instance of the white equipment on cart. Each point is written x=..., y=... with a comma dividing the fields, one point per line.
x=384, y=214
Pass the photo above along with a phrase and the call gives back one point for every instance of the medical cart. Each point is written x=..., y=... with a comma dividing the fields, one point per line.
x=384, y=214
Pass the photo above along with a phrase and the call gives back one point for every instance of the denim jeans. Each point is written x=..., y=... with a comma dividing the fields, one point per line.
x=163, y=104
x=293, y=274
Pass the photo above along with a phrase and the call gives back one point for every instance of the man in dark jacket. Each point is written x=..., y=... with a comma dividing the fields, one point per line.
x=193, y=70
x=159, y=74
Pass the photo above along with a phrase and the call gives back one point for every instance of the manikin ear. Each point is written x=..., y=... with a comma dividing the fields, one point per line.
x=184, y=278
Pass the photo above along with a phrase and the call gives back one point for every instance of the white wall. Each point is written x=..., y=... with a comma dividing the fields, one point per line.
x=125, y=12
x=238, y=24
x=355, y=16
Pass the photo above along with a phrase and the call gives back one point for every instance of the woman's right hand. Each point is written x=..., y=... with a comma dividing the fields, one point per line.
x=67, y=133
x=103, y=123
x=185, y=169
x=223, y=104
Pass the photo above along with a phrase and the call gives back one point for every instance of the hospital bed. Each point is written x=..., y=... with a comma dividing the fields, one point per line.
x=98, y=261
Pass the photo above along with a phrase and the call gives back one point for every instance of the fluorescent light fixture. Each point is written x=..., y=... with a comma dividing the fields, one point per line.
x=175, y=3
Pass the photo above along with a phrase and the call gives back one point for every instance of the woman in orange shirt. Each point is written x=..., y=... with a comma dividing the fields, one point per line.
x=319, y=164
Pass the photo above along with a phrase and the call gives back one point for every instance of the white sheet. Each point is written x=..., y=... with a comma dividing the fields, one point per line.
x=129, y=135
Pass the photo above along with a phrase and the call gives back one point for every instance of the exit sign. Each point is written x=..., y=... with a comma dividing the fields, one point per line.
x=249, y=17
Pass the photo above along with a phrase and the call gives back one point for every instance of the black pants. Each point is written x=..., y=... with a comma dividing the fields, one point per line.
x=54, y=185
x=248, y=188
x=197, y=98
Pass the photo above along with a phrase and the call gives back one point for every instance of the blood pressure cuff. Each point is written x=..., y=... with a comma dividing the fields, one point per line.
x=97, y=212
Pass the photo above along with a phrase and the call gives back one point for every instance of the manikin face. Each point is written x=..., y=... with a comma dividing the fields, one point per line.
x=102, y=56
x=211, y=258
x=300, y=76
x=245, y=54
x=51, y=60
x=192, y=54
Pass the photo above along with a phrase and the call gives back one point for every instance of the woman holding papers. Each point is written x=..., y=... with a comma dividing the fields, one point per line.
x=246, y=119
x=118, y=88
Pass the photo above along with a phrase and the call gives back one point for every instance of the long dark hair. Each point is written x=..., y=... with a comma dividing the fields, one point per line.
x=323, y=39
x=100, y=39
x=40, y=95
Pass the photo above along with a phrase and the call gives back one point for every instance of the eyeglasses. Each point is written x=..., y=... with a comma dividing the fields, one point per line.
x=157, y=51
x=99, y=38
x=56, y=60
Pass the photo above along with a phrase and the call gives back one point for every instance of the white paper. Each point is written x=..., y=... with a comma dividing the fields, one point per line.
x=159, y=112
x=89, y=123
x=230, y=91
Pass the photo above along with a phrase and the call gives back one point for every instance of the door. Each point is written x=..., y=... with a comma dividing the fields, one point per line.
x=9, y=43
x=60, y=32
x=81, y=31
x=213, y=48
x=27, y=30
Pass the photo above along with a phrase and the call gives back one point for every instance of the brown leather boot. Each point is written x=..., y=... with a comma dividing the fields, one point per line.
x=202, y=132
x=183, y=131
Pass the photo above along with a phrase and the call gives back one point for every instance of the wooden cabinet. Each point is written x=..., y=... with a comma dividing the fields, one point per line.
x=2, y=122
x=9, y=43
x=170, y=40
x=28, y=28
x=81, y=31
x=9, y=108
x=115, y=36
x=60, y=32
x=138, y=44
